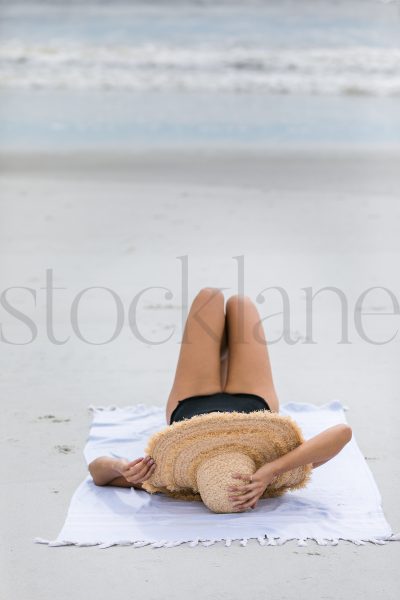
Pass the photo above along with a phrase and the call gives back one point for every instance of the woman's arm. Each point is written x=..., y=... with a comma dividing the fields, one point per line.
x=120, y=472
x=318, y=450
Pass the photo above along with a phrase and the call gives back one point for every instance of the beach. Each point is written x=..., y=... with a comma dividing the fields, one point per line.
x=130, y=222
x=148, y=150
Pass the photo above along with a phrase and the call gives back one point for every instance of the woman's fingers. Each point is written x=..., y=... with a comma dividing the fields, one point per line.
x=143, y=476
x=140, y=472
x=143, y=459
x=149, y=473
x=251, y=492
x=241, y=489
x=133, y=466
x=243, y=498
x=243, y=506
x=134, y=462
x=247, y=502
x=238, y=493
x=138, y=469
x=246, y=478
x=141, y=463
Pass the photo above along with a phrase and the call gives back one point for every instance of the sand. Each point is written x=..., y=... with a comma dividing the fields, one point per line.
x=130, y=222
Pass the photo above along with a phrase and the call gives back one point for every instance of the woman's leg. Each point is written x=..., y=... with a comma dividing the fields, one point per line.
x=249, y=368
x=198, y=370
x=224, y=357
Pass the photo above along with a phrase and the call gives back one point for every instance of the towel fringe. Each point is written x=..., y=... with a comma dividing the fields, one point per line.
x=270, y=541
x=172, y=544
x=39, y=540
x=358, y=542
x=159, y=544
x=266, y=540
x=123, y=543
x=208, y=542
x=321, y=541
x=140, y=544
x=84, y=544
x=57, y=543
x=261, y=541
x=281, y=541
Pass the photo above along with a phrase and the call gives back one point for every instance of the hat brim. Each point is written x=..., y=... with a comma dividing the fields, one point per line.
x=179, y=448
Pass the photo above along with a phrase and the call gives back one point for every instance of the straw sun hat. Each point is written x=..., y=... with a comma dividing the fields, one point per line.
x=195, y=458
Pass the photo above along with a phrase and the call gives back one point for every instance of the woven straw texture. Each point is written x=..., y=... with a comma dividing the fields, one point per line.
x=195, y=458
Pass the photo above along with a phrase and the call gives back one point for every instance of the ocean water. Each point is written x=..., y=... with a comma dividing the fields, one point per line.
x=98, y=74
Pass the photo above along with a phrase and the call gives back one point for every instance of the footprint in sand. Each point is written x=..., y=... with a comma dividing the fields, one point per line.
x=53, y=419
x=64, y=449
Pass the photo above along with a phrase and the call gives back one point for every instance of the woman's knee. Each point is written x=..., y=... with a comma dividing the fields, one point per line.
x=209, y=294
x=238, y=301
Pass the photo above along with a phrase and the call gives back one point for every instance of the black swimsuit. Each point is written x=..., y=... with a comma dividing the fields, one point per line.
x=218, y=402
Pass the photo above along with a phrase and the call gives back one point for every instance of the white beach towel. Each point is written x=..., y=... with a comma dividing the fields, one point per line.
x=342, y=501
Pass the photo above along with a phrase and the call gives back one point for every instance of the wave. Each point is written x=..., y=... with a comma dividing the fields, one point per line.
x=229, y=68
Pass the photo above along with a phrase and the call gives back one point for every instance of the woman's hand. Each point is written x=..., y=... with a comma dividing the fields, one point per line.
x=247, y=495
x=138, y=470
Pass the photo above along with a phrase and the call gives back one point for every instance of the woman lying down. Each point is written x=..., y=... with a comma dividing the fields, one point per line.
x=225, y=443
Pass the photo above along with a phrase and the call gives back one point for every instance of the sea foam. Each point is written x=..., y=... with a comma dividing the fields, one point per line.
x=238, y=68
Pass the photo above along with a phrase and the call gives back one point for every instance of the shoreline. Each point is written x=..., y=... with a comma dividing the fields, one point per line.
x=367, y=170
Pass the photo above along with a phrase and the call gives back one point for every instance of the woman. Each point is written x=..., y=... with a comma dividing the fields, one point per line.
x=224, y=366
